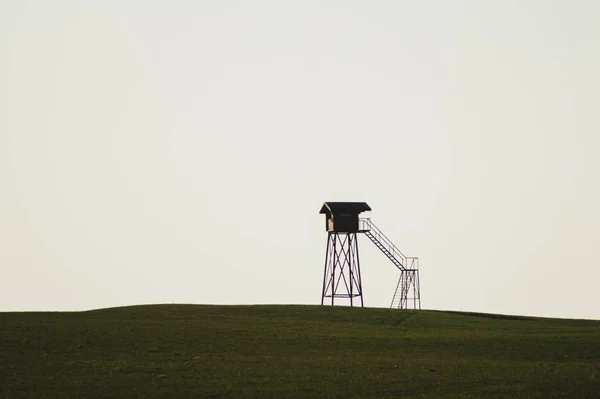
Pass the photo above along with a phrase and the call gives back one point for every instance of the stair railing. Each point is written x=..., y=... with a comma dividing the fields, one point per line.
x=412, y=263
x=366, y=224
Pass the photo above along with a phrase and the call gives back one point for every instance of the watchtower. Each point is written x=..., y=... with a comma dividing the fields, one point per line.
x=341, y=278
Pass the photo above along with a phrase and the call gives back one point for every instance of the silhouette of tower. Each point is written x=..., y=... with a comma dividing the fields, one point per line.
x=341, y=278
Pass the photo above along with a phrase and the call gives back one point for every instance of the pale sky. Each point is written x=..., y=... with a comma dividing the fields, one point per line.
x=179, y=151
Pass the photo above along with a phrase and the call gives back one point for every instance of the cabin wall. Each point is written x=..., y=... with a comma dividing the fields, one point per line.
x=342, y=223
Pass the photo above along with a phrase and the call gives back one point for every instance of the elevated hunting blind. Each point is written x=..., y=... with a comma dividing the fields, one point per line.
x=341, y=277
x=342, y=217
x=342, y=266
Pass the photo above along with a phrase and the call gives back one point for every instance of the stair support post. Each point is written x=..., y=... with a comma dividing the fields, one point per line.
x=407, y=290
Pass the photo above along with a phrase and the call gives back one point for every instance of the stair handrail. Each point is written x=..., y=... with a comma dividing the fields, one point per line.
x=412, y=262
x=382, y=238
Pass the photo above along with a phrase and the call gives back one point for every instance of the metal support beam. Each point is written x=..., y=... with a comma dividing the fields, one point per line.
x=408, y=290
x=341, y=275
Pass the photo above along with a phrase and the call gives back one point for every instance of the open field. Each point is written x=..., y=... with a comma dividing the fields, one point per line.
x=294, y=351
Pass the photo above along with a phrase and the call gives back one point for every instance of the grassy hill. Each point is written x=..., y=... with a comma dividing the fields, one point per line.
x=294, y=351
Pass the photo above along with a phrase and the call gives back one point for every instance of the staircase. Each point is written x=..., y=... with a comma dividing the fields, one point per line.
x=382, y=242
x=397, y=299
x=408, y=288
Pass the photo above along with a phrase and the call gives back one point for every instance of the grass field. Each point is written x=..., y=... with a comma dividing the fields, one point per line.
x=294, y=351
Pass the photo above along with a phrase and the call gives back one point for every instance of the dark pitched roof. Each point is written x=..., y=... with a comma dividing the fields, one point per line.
x=344, y=207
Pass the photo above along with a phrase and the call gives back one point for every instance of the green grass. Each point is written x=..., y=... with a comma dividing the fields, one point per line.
x=294, y=351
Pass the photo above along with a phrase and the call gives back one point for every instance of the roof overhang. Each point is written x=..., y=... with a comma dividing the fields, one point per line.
x=344, y=207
